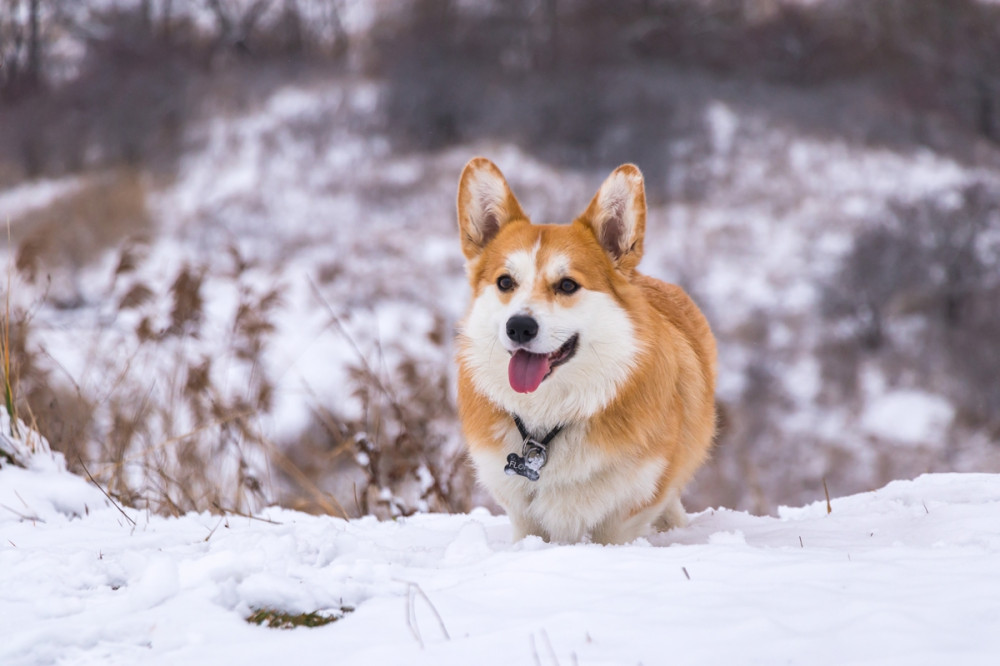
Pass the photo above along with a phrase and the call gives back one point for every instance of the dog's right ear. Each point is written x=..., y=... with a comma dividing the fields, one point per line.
x=617, y=216
x=485, y=203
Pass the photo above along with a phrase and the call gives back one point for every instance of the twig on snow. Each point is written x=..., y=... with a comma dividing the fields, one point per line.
x=110, y=498
x=23, y=516
x=411, y=616
x=534, y=650
x=212, y=531
x=548, y=644
x=242, y=514
x=412, y=590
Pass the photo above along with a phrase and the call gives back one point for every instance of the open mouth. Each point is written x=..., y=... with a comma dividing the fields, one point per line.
x=527, y=371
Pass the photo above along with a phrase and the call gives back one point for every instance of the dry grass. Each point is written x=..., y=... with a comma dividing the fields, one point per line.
x=396, y=458
x=8, y=390
x=75, y=230
x=155, y=415
x=25, y=440
x=145, y=415
x=277, y=619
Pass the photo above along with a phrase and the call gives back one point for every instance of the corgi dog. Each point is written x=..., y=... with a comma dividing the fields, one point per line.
x=586, y=390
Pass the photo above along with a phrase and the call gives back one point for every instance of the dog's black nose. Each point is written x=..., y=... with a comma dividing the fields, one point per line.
x=521, y=328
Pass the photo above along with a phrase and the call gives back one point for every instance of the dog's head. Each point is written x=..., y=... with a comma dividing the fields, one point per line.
x=549, y=326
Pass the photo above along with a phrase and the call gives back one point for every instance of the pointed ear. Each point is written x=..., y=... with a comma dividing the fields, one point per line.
x=617, y=216
x=485, y=203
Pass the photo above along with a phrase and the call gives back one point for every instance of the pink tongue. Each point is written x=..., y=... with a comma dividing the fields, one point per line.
x=526, y=370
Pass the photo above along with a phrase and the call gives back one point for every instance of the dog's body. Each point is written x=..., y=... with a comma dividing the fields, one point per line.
x=564, y=334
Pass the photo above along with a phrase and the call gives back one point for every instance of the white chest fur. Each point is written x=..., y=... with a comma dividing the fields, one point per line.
x=582, y=490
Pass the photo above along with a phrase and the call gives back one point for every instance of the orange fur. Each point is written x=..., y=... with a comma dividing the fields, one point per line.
x=659, y=416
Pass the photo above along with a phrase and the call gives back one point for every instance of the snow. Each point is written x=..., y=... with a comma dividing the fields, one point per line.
x=905, y=574
x=29, y=196
x=907, y=416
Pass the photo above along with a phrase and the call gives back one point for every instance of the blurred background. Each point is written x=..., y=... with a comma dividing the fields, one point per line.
x=233, y=272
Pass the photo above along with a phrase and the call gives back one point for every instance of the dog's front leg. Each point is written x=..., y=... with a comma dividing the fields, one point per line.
x=524, y=525
x=618, y=530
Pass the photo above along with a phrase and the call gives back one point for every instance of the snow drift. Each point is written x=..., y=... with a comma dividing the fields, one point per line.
x=909, y=573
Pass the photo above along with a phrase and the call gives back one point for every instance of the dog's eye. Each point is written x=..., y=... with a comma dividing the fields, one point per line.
x=567, y=286
x=505, y=283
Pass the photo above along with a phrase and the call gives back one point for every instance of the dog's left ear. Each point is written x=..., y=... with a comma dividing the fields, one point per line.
x=617, y=216
x=485, y=203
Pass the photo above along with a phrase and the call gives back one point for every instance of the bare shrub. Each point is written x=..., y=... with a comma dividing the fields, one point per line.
x=150, y=417
x=169, y=418
x=31, y=396
x=933, y=264
x=460, y=71
x=503, y=70
x=156, y=416
x=397, y=454
x=22, y=41
x=296, y=28
x=591, y=83
x=883, y=265
x=402, y=443
x=126, y=108
x=142, y=77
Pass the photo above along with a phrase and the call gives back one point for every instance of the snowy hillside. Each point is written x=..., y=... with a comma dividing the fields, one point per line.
x=234, y=274
x=908, y=574
x=300, y=312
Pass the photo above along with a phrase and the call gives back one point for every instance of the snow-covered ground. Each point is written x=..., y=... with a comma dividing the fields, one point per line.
x=908, y=574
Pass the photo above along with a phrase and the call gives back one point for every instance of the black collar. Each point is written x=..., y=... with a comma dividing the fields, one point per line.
x=534, y=452
x=525, y=435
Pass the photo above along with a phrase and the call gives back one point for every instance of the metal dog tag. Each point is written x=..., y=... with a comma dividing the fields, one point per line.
x=532, y=459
